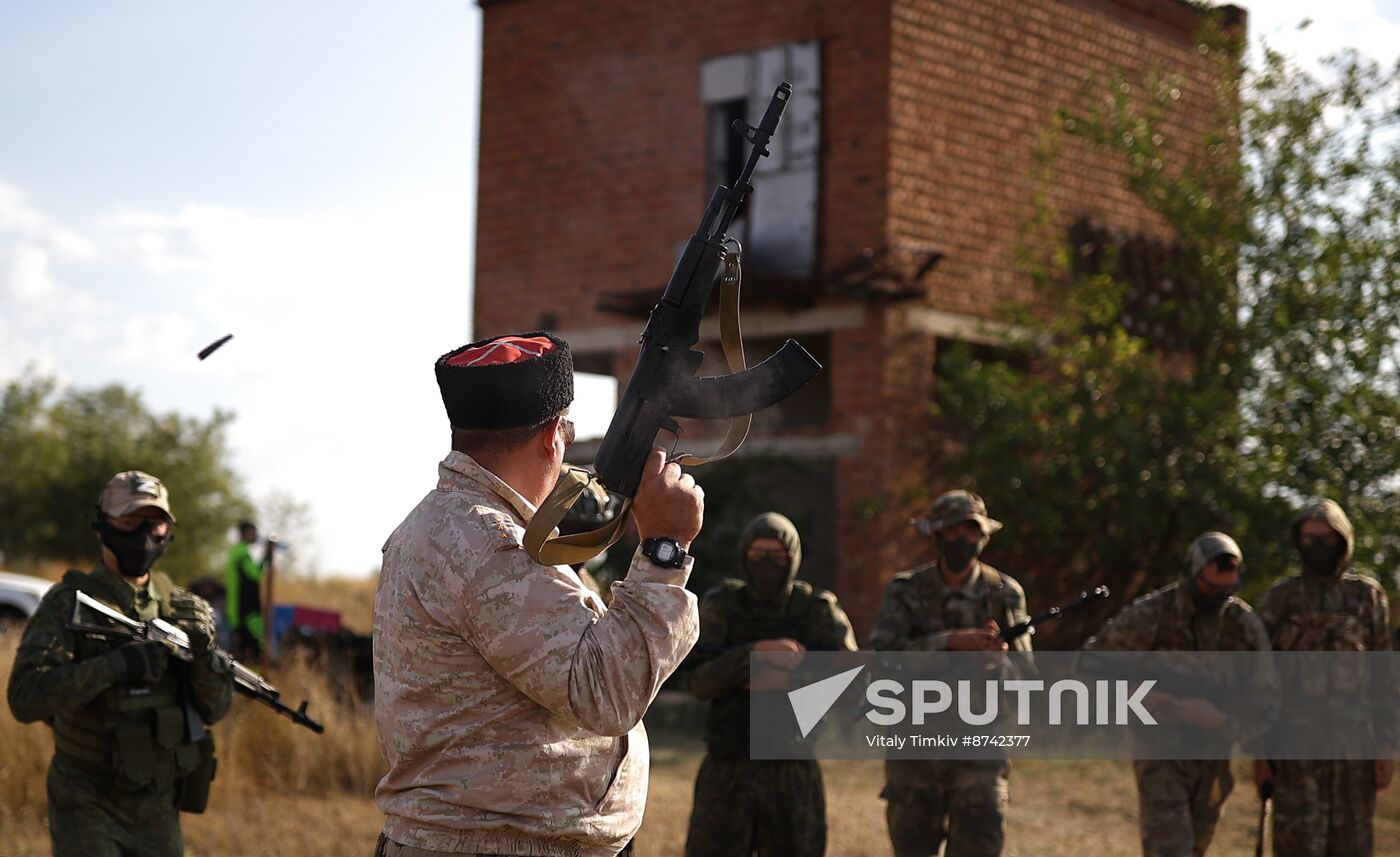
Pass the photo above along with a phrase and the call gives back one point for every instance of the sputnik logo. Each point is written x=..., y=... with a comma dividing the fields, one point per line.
x=811, y=703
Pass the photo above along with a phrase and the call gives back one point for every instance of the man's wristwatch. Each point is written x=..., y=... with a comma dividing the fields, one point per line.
x=663, y=552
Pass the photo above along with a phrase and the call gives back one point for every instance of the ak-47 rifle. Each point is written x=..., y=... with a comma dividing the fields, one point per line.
x=663, y=386
x=1021, y=629
x=245, y=681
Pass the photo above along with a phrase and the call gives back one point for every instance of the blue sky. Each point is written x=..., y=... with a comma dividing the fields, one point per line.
x=300, y=175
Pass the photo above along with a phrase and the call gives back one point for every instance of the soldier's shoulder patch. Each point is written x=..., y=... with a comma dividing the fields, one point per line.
x=503, y=532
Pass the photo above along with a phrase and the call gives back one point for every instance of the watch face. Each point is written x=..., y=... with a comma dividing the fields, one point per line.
x=665, y=552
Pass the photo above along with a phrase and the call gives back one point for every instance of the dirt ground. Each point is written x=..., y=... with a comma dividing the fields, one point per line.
x=1059, y=809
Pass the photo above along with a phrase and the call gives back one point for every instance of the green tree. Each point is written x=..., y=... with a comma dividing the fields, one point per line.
x=1258, y=369
x=59, y=447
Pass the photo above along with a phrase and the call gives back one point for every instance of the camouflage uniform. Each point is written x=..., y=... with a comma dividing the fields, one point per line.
x=1180, y=800
x=1324, y=808
x=121, y=749
x=962, y=800
x=508, y=698
x=743, y=806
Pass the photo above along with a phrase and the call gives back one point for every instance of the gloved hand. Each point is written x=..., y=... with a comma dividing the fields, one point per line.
x=195, y=617
x=142, y=661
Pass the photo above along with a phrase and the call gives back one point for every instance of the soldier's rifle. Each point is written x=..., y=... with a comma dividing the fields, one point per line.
x=664, y=385
x=1020, y=629
x=174, y=638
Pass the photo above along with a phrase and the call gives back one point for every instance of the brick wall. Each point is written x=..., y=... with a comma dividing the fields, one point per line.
x=592, y=169
x=592, y=162
x=974, y=84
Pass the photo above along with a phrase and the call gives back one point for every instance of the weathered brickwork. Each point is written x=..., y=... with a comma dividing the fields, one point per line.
x=592, y=168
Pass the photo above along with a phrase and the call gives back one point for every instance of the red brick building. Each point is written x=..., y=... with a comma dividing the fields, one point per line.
x=885, y=223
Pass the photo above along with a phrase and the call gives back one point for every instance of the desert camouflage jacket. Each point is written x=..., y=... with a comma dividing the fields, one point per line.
x=508, y=698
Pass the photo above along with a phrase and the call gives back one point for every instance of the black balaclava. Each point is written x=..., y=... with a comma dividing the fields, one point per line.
x=137, y=550
x=770, y=583
x=1324, y=562
x=959, y=553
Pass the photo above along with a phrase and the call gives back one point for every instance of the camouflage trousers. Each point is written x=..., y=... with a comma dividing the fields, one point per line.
x=1324, y=808
x=90, y=818
x=1179, y=803
x=768, y=808
x=962, y=801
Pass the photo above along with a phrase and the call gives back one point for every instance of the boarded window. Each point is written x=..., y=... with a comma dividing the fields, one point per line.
x=779, y=227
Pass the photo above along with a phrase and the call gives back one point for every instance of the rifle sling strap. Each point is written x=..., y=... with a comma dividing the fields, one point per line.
x=731, y=338
x=548, y=549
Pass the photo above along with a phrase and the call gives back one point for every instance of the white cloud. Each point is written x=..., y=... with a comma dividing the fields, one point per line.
x=20, y=219
x=337, y=317
x=16, y=214
x=157, y=340
x=66, y=243
x=26, y=279
x=158, y=243
x=1340, y=24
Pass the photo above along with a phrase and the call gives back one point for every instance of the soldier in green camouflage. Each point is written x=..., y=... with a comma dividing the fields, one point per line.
x=957, y=603
x=744, y=806
x=124, y=717
x=1324, y=808
x=1179, y=800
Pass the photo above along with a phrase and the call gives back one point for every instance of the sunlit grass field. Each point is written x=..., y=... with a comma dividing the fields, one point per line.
x=282, y=790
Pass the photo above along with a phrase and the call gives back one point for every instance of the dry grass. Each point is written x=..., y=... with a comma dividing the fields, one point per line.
x=280, y=789
x=283, y=790
x=25, y=761
x=1058, y=809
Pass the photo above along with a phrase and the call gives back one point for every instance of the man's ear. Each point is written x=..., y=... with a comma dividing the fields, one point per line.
x=551, y=438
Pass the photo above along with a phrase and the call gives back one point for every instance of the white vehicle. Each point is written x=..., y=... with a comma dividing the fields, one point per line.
x=19, y=598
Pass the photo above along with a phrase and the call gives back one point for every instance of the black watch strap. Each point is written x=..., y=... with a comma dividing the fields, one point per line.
x=664, y=552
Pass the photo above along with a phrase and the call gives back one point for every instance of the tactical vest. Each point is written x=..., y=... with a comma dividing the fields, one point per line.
x=790, y=623
x=932, y=620
x=1309, y=630
x=1168, y=636
x=1305, y=629
x=134, y=736
x=727, y=722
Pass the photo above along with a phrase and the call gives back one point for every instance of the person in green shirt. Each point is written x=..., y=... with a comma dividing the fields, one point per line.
x=243, y=607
